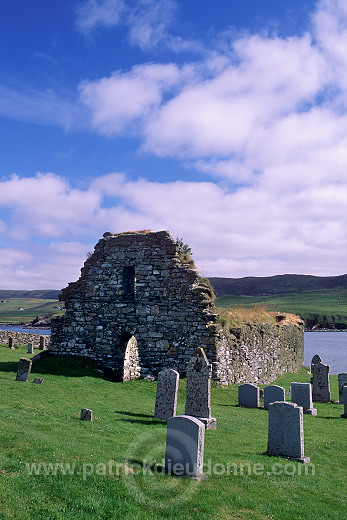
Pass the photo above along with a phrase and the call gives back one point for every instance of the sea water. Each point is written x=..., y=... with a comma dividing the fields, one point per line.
x=19, y=328
x=330, y=346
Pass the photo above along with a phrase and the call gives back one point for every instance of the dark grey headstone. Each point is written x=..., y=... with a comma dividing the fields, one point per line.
x=38, y=380
x=86, y=414
x=342, y=381
x=30, y=348
x=302, y=396
x=286, y=432
x=320, y=383
x=248, y=395
x=316, y=359
x=24, y=369
x=184, y=454
x=273, y=393
x=344, y=392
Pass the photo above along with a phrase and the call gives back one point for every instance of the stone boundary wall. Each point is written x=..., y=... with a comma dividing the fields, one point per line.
x=259, y=353
x=22, y=338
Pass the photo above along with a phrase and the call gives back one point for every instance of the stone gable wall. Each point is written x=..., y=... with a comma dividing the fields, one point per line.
x=137, y=309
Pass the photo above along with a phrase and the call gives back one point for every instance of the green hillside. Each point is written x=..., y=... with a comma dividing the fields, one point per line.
x=280, y=284
x=323, y=306
x=25, y=310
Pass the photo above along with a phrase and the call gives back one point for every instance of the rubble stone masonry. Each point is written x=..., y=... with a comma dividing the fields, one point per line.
x=136, y=309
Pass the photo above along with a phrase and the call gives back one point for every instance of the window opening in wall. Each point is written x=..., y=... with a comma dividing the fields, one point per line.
x=129, y=282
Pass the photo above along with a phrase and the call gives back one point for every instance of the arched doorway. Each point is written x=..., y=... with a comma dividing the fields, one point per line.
x=128, y=358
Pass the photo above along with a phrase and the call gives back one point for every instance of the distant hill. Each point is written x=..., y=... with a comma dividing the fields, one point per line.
x=44, y=294
x=279, y=284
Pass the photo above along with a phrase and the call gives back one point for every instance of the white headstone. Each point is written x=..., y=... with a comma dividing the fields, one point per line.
x=302, y=396
x=342, y=379
x=184, y=453
x=166, y=398
x=273, y=393
x=320, y=383
x=286, y=432
x=248, y=395
x=198, y=392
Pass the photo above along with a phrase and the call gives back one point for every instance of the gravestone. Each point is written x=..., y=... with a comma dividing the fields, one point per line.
x=344, y=391
x=198, y=392
x=248, y=395
x=273, y=393
x=184, y=454
x=166, y=397
x=86, y=414
x=38, y=380
x=320, y=383
x=42, y=343
x=30, y=348
x=24, y=369
x=302, y=396
x=342, y=380
x=316, y=359
x=286, y=432
x=10, y=342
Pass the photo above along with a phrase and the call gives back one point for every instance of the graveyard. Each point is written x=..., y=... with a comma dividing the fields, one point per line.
x=56, y=466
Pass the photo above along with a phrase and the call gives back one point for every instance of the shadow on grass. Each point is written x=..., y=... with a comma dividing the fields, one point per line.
x=136, y=418
x=9, y=366
x=153, y=468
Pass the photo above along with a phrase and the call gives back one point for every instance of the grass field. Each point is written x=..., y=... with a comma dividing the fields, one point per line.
x=10, y=312
x=322, y=303
x=55, y=467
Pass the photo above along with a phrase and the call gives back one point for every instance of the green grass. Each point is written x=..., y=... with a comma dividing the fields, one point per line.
x=40, y=424
x=10, y=313
x=313, y=303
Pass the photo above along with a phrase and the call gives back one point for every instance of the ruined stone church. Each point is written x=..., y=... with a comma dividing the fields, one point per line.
x=138, y=307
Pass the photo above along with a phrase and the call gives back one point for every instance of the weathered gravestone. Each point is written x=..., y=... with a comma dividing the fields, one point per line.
x=273, y=393
x=184, y=454
x=316, y=359
x=166, y=397
x=320, y=383
x=248, y=395
x=42, y=343
x=10, y=342
x=302, y=396
x=286, y=432
x=24, y=369
x=86, y=414
x=30, y=348
x=198, y=392
x=344, y=391
x=38, y=381
x=342, y=380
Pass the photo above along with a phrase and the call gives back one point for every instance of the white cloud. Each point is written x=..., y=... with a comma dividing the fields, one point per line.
x=259, y=230
x=147, y=21
x=123, y=99
x=99, y=13
x=42, y=107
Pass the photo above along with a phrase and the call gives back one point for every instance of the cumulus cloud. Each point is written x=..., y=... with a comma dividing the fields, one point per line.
x=120, y=101
x=251, y=231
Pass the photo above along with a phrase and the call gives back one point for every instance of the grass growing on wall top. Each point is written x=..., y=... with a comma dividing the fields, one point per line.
x=40, y=424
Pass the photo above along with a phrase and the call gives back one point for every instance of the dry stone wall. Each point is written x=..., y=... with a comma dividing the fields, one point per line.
x=137, y=309
x=22, y=338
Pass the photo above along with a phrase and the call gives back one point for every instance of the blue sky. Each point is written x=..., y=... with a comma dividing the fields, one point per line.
x=223, y=122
